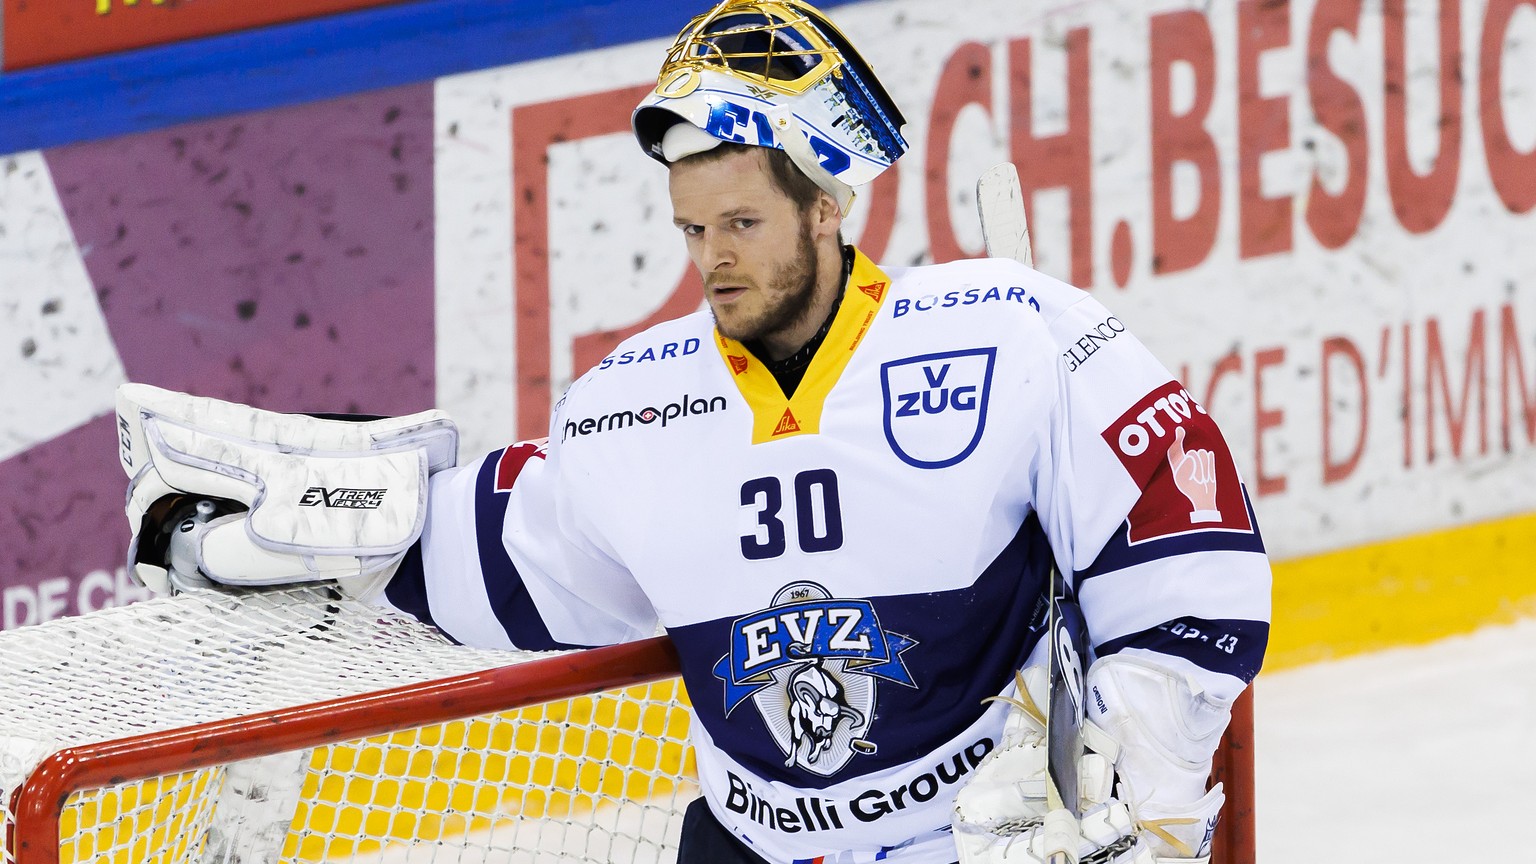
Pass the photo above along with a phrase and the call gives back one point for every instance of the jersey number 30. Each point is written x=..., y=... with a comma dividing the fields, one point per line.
x=818, y=515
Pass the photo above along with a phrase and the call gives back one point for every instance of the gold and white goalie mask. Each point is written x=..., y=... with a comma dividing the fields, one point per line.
x=227, y=495
x=773, y=74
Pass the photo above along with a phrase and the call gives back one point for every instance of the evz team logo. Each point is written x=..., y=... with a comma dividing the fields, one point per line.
x=936, y=405
x=809, y=664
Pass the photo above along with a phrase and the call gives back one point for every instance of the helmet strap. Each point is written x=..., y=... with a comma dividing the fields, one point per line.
x=798, y=147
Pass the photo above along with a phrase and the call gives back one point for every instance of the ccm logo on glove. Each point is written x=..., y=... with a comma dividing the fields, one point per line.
x=344, y=499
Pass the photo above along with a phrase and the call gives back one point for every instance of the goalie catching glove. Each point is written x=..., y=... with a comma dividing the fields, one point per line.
x=225, y=494
x=1147, y=726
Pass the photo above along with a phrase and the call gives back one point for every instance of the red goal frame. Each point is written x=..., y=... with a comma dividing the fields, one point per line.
x=40, y=801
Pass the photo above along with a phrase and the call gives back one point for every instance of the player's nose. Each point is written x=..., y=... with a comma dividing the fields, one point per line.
x=718, y=252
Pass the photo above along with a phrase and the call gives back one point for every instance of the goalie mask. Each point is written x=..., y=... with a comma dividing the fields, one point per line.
x=773, y=74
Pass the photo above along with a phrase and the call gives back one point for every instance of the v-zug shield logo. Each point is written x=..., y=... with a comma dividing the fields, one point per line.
x=936, y=405
x=809, y=664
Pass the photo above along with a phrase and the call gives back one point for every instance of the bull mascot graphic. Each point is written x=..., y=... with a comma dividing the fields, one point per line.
x=816, y=704
x=809, y=663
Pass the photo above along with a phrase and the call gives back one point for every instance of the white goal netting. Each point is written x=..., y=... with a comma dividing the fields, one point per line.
x=270, y=690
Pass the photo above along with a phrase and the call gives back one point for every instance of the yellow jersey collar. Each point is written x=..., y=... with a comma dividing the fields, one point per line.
x=775, y=416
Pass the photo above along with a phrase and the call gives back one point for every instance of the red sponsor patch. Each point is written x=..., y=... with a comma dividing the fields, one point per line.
x=738, y=363
x=787, y=424
x=875, y=290
x=1175, y=453
x=511, y=462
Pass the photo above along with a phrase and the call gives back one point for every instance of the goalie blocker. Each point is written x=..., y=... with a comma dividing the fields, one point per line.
x=1150, y=738
x=235, y=496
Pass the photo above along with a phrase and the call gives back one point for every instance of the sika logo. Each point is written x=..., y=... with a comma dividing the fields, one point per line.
x=787, y=424
x=875, y=290
x=672, y=411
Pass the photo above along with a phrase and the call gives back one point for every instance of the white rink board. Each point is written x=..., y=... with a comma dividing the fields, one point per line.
x=49, y=310
x=1249, y=328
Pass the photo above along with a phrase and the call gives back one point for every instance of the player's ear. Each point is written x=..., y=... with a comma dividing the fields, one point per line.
x=826, y=216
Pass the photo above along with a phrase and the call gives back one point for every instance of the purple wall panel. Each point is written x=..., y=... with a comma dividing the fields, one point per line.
x=283, y=259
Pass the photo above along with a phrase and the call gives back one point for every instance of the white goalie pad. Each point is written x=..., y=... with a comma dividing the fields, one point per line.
x=1000, y=812
x=1181, y=833
x=314, y=498
x=1149, y=727
x=1167, y=729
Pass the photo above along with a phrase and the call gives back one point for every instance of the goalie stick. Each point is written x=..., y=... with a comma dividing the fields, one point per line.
x=1005, y=231
x=1063, y=723
x=1000, y=204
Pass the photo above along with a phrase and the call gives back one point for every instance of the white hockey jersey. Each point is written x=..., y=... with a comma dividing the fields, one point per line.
x=849, y=571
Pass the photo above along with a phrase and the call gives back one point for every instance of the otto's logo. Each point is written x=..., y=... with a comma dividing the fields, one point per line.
x=684, y=407
x=936, y=405
x=809, y=664
x=342, y=499
x=1153, y=419
x=1174, y=452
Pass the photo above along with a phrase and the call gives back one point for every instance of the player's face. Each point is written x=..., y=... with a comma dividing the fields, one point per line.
x=754, y=248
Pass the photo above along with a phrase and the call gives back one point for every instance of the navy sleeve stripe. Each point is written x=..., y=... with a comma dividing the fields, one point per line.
x=1228, y=647
x=504, y=588
x=1119, y=553
x=407, y=589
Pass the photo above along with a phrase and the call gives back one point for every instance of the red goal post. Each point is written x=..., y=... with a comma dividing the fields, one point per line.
x=42, y=798
x=60, y=813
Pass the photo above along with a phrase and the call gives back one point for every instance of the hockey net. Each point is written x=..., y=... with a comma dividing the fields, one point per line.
x=292, y=725
x=295, y=726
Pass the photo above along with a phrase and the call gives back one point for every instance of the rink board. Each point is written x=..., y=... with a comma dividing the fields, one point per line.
x=1319, y=217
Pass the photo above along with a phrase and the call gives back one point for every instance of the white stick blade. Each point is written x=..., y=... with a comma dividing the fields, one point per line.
x=1000, y=204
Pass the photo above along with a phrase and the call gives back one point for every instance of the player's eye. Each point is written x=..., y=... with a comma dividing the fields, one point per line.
x=743, y=224
x=692, y=230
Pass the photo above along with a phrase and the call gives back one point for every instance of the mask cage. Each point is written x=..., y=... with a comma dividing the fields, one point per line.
x=770, y=44
x=790, y=48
